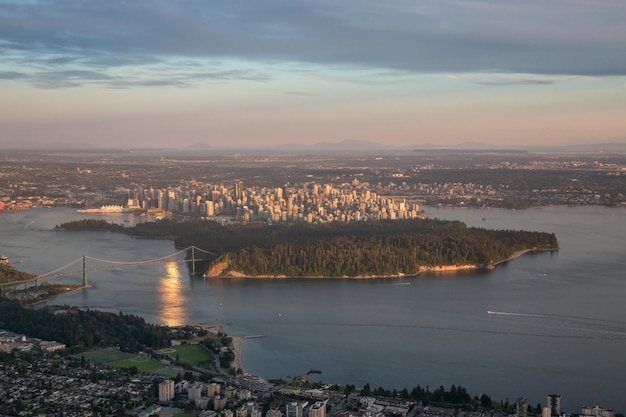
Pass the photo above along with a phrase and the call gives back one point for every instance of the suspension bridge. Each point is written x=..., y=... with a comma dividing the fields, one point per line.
x=62, y=271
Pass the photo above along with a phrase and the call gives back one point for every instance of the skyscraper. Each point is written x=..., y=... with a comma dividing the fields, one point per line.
x=318, y=409
x=166, y=390
x=238, y=190
x=294, y=409
x=554, y=404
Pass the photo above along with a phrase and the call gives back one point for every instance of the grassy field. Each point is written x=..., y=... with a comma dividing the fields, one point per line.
x=191, y=354
x=168, y=372
x=106, y=356
x=143, y=365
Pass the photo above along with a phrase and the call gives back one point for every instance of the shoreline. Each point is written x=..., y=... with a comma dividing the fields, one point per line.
x=424, y=270
x=523, y=252
x=50, y=296
x=238, y=351
x=236, y=344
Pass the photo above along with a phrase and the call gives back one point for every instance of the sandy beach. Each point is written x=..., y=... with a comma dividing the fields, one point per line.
x=237, y=343
x=238, y=350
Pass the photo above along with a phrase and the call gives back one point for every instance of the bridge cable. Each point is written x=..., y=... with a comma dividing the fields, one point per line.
x=54, y=274
x=58, y=269
x=138, y=262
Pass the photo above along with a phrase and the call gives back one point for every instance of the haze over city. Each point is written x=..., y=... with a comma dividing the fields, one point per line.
x=280, y=72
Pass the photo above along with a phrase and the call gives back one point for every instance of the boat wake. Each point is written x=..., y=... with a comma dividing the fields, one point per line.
x=504, y=313
x=568, y=325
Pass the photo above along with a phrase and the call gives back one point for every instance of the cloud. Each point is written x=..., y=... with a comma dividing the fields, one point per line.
x=155, y=78
x=298, y=93
x=575, y=37
x=492, y=79
x=12, y=75
x=505, y=82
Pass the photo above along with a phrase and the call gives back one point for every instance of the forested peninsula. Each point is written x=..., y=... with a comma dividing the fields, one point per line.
x=82, y=329
x=10, y=274
x=364, y=249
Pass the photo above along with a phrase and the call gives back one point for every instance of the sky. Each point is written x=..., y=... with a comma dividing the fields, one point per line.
x=260, y=73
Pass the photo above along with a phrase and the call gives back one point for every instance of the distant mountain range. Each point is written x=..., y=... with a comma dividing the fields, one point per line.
x=344, y=146
x=369, y=146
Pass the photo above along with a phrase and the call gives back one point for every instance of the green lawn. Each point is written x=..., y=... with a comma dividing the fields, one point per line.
x=143, y=365
x=106, y=355
x=185, y=414
x=168, y=371
x=191, y=354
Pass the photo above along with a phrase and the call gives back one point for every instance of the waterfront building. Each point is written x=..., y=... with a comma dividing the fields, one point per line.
x=274, y=413
x=166, y=390
x=182, y=386
x=219, y=403
x=244, y=394
x=597, y=411
x=521, y=407
x=50, y=346
x=142, y=411
x=239, y=190
x=252, y=409
x=194, y=391
x=318, y=409
x=253, y=383
x=366, y=401
x=295, y=409
x=202, y=403
x=229, y=392
x=162, y=200
x=212, y=389
x=554, y=404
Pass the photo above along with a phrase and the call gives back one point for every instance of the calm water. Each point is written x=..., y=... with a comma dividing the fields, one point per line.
x=558, y=321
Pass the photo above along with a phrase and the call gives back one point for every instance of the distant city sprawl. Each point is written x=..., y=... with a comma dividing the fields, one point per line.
x=310, y=188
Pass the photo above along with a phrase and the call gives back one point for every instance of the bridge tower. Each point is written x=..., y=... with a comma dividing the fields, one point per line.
x=193, y=260
x=84, y=271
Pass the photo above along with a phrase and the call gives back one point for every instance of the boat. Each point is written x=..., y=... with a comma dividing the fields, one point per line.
x=107, y=209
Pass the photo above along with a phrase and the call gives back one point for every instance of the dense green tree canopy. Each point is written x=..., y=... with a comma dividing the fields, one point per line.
x=10, y=274
x=381, y=248
x=83, y=328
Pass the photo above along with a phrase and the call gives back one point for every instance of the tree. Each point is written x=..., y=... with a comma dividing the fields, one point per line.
x=348, y=389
